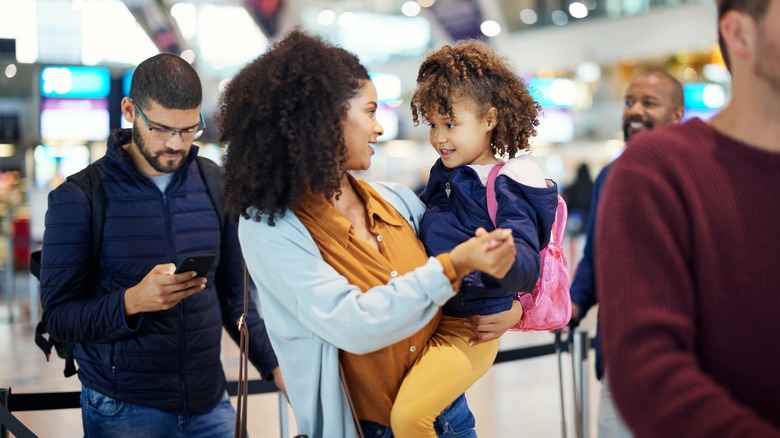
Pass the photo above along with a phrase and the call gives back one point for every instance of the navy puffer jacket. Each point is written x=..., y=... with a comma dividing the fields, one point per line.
x=454, y=215
x=168, y=360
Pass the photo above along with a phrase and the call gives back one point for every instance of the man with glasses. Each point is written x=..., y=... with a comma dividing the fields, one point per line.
x=148, y=340
x=689, y=266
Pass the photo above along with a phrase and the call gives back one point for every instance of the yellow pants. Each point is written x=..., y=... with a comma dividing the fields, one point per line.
x=447, y=367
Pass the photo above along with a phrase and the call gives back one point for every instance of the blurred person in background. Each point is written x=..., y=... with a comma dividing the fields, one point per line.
x=578, y=196
x=652, y=99
x=148, y=341
x=688, y=255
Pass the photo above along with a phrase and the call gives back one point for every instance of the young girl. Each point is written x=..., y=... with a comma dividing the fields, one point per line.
x=477, y=109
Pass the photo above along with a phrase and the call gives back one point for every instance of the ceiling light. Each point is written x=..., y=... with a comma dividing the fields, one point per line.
x=528, y=16
x=188, y=55
x=10, y=71
x=559, y=17
x=326, y=17
x=589, y=72
x=348, y=19
x=578, y=10
x=410, y=9
x=6, y=150
x=490, y=28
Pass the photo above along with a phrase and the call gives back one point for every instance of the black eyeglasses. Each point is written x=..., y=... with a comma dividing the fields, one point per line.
x=164, y=133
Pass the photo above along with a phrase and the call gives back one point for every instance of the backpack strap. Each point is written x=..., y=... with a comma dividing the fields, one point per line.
x=525, y=298
x=89, y=181
x=492, y=202
x=559, y=226
x=212, y=176
x=211, y=173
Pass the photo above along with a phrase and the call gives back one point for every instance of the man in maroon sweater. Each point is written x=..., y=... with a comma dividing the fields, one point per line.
x=689, y=278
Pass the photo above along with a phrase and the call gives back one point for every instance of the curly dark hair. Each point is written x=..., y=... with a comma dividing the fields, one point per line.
x=281, y=118
x=472, y=70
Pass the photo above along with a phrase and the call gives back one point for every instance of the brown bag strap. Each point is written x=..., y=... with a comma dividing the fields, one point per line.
x=243, y=374
x=351, y=404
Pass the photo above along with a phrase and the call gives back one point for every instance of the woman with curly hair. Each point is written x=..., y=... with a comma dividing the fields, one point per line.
x=343, y=280
x=476, y=109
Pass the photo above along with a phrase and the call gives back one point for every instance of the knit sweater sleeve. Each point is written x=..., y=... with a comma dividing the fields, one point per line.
x=649, y=305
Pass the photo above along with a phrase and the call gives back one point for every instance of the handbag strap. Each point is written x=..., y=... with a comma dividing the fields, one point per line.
x=490, y=196
x=243, y=373
x=351, y=403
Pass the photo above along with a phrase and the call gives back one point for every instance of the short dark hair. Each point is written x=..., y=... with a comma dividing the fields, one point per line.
x=167, y=80
x=755, y=8
x=471, y=69
x=678, y=95
x=282, y=119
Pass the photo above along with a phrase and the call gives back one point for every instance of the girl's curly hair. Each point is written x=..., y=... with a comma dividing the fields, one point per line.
x=281, y=118
x=471, y=70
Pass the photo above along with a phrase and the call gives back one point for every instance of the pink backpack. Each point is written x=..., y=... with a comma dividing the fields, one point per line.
x=548, y=305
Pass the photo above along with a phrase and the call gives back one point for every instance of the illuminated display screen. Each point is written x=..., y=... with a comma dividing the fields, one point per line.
x=54, y=163
x=553, y=93
x=387, y=116
x=388, y=86
x=74, y=119
x=704, y=96
x=75, y=82
x=556, y=125
x=127, y=79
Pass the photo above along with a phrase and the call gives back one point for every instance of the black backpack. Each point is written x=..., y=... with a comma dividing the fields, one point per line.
x=89, y=180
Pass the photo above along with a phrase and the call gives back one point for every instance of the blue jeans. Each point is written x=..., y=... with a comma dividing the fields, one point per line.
x=455, y=422
x=105, y=417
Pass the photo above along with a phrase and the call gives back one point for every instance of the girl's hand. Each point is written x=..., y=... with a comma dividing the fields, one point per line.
x=492, y=253
x=489, y=327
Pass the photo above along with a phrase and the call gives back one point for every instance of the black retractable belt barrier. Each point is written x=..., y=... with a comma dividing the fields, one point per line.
x=10, y=402
x=4, y=404
x=8, y=422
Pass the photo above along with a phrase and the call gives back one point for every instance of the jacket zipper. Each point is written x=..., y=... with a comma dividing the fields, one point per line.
x=182, y=352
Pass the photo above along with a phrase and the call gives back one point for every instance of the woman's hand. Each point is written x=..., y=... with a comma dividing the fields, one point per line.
x=492, y=253
x=489, y=327
x=279, y=381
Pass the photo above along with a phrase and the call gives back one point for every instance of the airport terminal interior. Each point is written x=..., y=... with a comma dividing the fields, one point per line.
x=66, y=64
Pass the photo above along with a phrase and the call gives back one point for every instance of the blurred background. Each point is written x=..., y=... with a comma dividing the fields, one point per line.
x=66, y=64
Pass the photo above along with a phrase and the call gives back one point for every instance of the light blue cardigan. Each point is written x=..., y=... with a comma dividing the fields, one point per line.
x=311, y=311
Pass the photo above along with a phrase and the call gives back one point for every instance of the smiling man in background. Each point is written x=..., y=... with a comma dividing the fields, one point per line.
x=652, y=99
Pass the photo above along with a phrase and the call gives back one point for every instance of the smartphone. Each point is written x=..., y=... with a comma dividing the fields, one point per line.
x=200, y=263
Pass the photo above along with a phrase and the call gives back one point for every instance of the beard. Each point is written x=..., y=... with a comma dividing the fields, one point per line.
x=627, y=125
x=155, y=159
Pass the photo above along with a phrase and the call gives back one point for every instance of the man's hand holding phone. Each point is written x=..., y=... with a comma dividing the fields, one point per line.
x=165, y=285
x=198, y=263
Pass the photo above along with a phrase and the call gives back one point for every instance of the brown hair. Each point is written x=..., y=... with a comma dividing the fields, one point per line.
x=471, y=70
x=755, y=8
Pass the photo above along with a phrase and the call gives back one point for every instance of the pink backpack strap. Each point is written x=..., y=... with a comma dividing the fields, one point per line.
x=559, y=226
x=492, y=203
x=526, y=300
